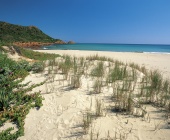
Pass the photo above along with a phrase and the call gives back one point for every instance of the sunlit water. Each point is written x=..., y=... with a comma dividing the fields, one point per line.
x=143, y=48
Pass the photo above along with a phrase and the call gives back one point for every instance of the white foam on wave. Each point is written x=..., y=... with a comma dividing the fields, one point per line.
x=158, y=52
x=45, y=48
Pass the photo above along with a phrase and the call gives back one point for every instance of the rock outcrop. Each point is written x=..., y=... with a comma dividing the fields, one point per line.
x=60, y=42
x=34, y=45
x=70, y=42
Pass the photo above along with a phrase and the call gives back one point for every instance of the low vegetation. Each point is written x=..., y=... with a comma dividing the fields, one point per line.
x=15, y=102
x=28, y=53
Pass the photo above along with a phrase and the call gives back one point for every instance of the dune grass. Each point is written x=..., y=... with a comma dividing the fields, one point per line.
x=154, y=89
x=130, y=89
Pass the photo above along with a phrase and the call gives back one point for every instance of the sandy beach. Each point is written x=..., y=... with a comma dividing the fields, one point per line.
x=149, y=60
x=79, y=114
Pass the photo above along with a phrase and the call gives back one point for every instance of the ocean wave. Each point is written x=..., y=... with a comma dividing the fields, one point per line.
x=45, y=48
x=158, y=52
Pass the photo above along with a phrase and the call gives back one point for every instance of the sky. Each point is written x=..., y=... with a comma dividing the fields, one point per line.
x=94, y=21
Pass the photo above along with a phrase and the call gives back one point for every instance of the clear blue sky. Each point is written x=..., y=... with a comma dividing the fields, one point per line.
x=97, y=21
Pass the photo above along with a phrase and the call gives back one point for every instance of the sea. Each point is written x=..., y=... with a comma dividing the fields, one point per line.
x=140, y=48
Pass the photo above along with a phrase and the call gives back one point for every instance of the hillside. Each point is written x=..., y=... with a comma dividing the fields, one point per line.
x=10, y=33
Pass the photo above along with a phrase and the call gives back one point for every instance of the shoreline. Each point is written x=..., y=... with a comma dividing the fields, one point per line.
x=45, y=49
x=151, y=61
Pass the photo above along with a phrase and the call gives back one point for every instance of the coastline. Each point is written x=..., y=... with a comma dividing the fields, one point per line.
x=151, y=61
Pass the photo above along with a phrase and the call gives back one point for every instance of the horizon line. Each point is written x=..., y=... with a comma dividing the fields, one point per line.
x=121, y=43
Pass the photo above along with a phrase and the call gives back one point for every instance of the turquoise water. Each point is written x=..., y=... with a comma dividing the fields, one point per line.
x=112, y=47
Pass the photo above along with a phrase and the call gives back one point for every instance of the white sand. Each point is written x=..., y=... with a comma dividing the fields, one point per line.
x=61, y=116
x=151, y=61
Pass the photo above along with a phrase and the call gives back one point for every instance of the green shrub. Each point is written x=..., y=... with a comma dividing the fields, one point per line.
x=23, y=64
x=15, y=103
x=6, y=62
x=35, y=55
x=37, y=67
x=20, y=73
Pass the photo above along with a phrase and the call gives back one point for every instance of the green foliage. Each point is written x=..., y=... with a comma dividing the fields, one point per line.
x=97, y=57
x=35, y=55
x=118, y=73
x=5, y=62
x=16, y=33
x=17, y=69
x=23, y=64
x=3, y=44
x=20, y=73
x=66, y=65
x=98, y=71
x=4, y=135
x=156, y=80
x=15, y=103
x=38, y=67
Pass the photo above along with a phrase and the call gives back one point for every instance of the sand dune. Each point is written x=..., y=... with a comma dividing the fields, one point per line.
x=151, y=61
x=62, y=114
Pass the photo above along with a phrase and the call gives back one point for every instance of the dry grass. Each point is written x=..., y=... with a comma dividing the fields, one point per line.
x=131, y=89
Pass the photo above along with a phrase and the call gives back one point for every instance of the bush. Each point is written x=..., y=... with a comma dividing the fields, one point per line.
x=38, y=67
x=15, y=103
x=23, y=64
